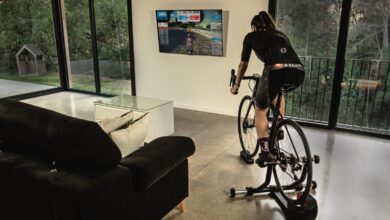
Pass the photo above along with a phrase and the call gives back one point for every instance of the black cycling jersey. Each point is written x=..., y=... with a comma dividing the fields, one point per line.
x=271, y=47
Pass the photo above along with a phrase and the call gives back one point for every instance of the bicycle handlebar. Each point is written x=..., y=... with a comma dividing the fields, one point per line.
x=234, y=76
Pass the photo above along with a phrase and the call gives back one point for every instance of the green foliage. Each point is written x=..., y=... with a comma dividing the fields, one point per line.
x=312, y=27
x=31, y=21
x=22, y=22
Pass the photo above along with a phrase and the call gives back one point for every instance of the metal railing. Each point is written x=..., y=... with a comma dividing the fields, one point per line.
x=365, y=97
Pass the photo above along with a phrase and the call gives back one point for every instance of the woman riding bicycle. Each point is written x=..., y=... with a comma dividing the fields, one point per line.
x=281, y=67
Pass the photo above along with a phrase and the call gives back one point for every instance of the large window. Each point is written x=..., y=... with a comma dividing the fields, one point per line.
x=313, y=28
x=97, y=37
x=365, y=100
x=28, y=54
x=78, y=35
x=113, y=46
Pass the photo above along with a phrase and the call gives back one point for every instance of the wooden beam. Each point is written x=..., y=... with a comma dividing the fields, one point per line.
x=368, y=84
x=181, y=206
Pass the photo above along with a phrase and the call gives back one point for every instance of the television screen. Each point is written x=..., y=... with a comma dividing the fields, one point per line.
x=192, y=32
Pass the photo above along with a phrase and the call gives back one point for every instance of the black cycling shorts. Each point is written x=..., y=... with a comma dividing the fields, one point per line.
x=272, y=80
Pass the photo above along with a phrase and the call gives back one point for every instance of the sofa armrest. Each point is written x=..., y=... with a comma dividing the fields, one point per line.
x=157, y=158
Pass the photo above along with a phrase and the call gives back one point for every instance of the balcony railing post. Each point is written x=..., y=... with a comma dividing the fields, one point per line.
x=357, y=94
x=324, y=92
x=384, y=90
x=366, y=95
x=318, y=77
x=349, y=91
x=375, y=93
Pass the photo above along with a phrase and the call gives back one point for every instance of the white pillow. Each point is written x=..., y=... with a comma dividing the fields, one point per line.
x=133, y=137
x=111, y=124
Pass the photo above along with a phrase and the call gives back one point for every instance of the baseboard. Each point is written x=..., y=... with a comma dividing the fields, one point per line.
x=206, y=109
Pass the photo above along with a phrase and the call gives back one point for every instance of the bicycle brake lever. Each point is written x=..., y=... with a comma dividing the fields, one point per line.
x=232, y=78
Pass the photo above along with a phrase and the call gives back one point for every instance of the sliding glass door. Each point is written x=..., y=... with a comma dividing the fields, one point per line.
x=314, y=29
x=113, y=46
x=77, y=30
x=365, y=99
x=97, y=44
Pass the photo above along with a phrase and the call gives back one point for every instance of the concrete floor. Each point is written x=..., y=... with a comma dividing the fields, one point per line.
x=352, y=178
x=11, y=88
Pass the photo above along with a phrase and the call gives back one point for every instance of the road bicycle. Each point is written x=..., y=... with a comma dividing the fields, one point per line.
x=293, y=167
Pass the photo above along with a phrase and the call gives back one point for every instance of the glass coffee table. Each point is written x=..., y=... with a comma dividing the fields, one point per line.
x=161, y=121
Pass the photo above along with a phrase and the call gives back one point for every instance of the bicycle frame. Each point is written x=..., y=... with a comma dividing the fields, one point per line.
x=275, y=114
x=275, y=111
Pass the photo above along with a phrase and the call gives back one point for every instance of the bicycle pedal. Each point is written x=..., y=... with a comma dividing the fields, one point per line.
x=316, y=159
x=267, y=163
x=246, y=158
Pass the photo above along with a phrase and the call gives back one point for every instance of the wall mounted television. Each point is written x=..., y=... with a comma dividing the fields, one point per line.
x=192, y=32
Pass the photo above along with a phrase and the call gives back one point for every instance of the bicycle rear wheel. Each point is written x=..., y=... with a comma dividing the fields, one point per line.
x=246, y=126
x=293, y=175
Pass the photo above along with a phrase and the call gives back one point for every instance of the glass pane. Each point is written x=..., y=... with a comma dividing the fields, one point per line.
x=365, y=100
x=78, y=34
x=113, y=46
x=312, y=27
x=28, y=54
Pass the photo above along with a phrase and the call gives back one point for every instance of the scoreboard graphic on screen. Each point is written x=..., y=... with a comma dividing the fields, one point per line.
x=192, y=32
x=188, y=16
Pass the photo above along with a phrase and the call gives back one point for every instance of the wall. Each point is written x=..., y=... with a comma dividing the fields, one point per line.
x=193, y=82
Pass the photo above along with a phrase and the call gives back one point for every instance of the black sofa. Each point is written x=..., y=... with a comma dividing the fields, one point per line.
x=53, y=166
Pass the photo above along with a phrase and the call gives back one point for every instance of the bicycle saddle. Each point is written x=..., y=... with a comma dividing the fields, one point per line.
x=256, y=75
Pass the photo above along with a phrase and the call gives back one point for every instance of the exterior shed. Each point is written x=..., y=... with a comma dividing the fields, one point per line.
x=30, y=60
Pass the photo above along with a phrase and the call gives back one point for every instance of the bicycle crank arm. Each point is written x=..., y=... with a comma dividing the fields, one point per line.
x=272, y=163
x=315, y=159
x=299, y=187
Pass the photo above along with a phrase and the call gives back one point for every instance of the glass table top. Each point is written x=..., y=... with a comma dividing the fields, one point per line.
x=132, y=102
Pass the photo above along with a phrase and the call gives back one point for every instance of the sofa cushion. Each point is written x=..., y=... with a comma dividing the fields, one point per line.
x=69, y=141
x=133, y=137
x=157, y=158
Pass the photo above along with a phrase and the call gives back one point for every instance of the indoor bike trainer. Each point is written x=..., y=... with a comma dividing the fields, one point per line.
x=307, y=211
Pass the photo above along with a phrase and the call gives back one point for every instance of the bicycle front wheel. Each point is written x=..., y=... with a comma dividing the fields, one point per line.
x=293, y=173
x=246, y=126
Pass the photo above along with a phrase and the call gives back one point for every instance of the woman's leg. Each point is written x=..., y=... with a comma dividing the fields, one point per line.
x=261, y=123
x=282, y=107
